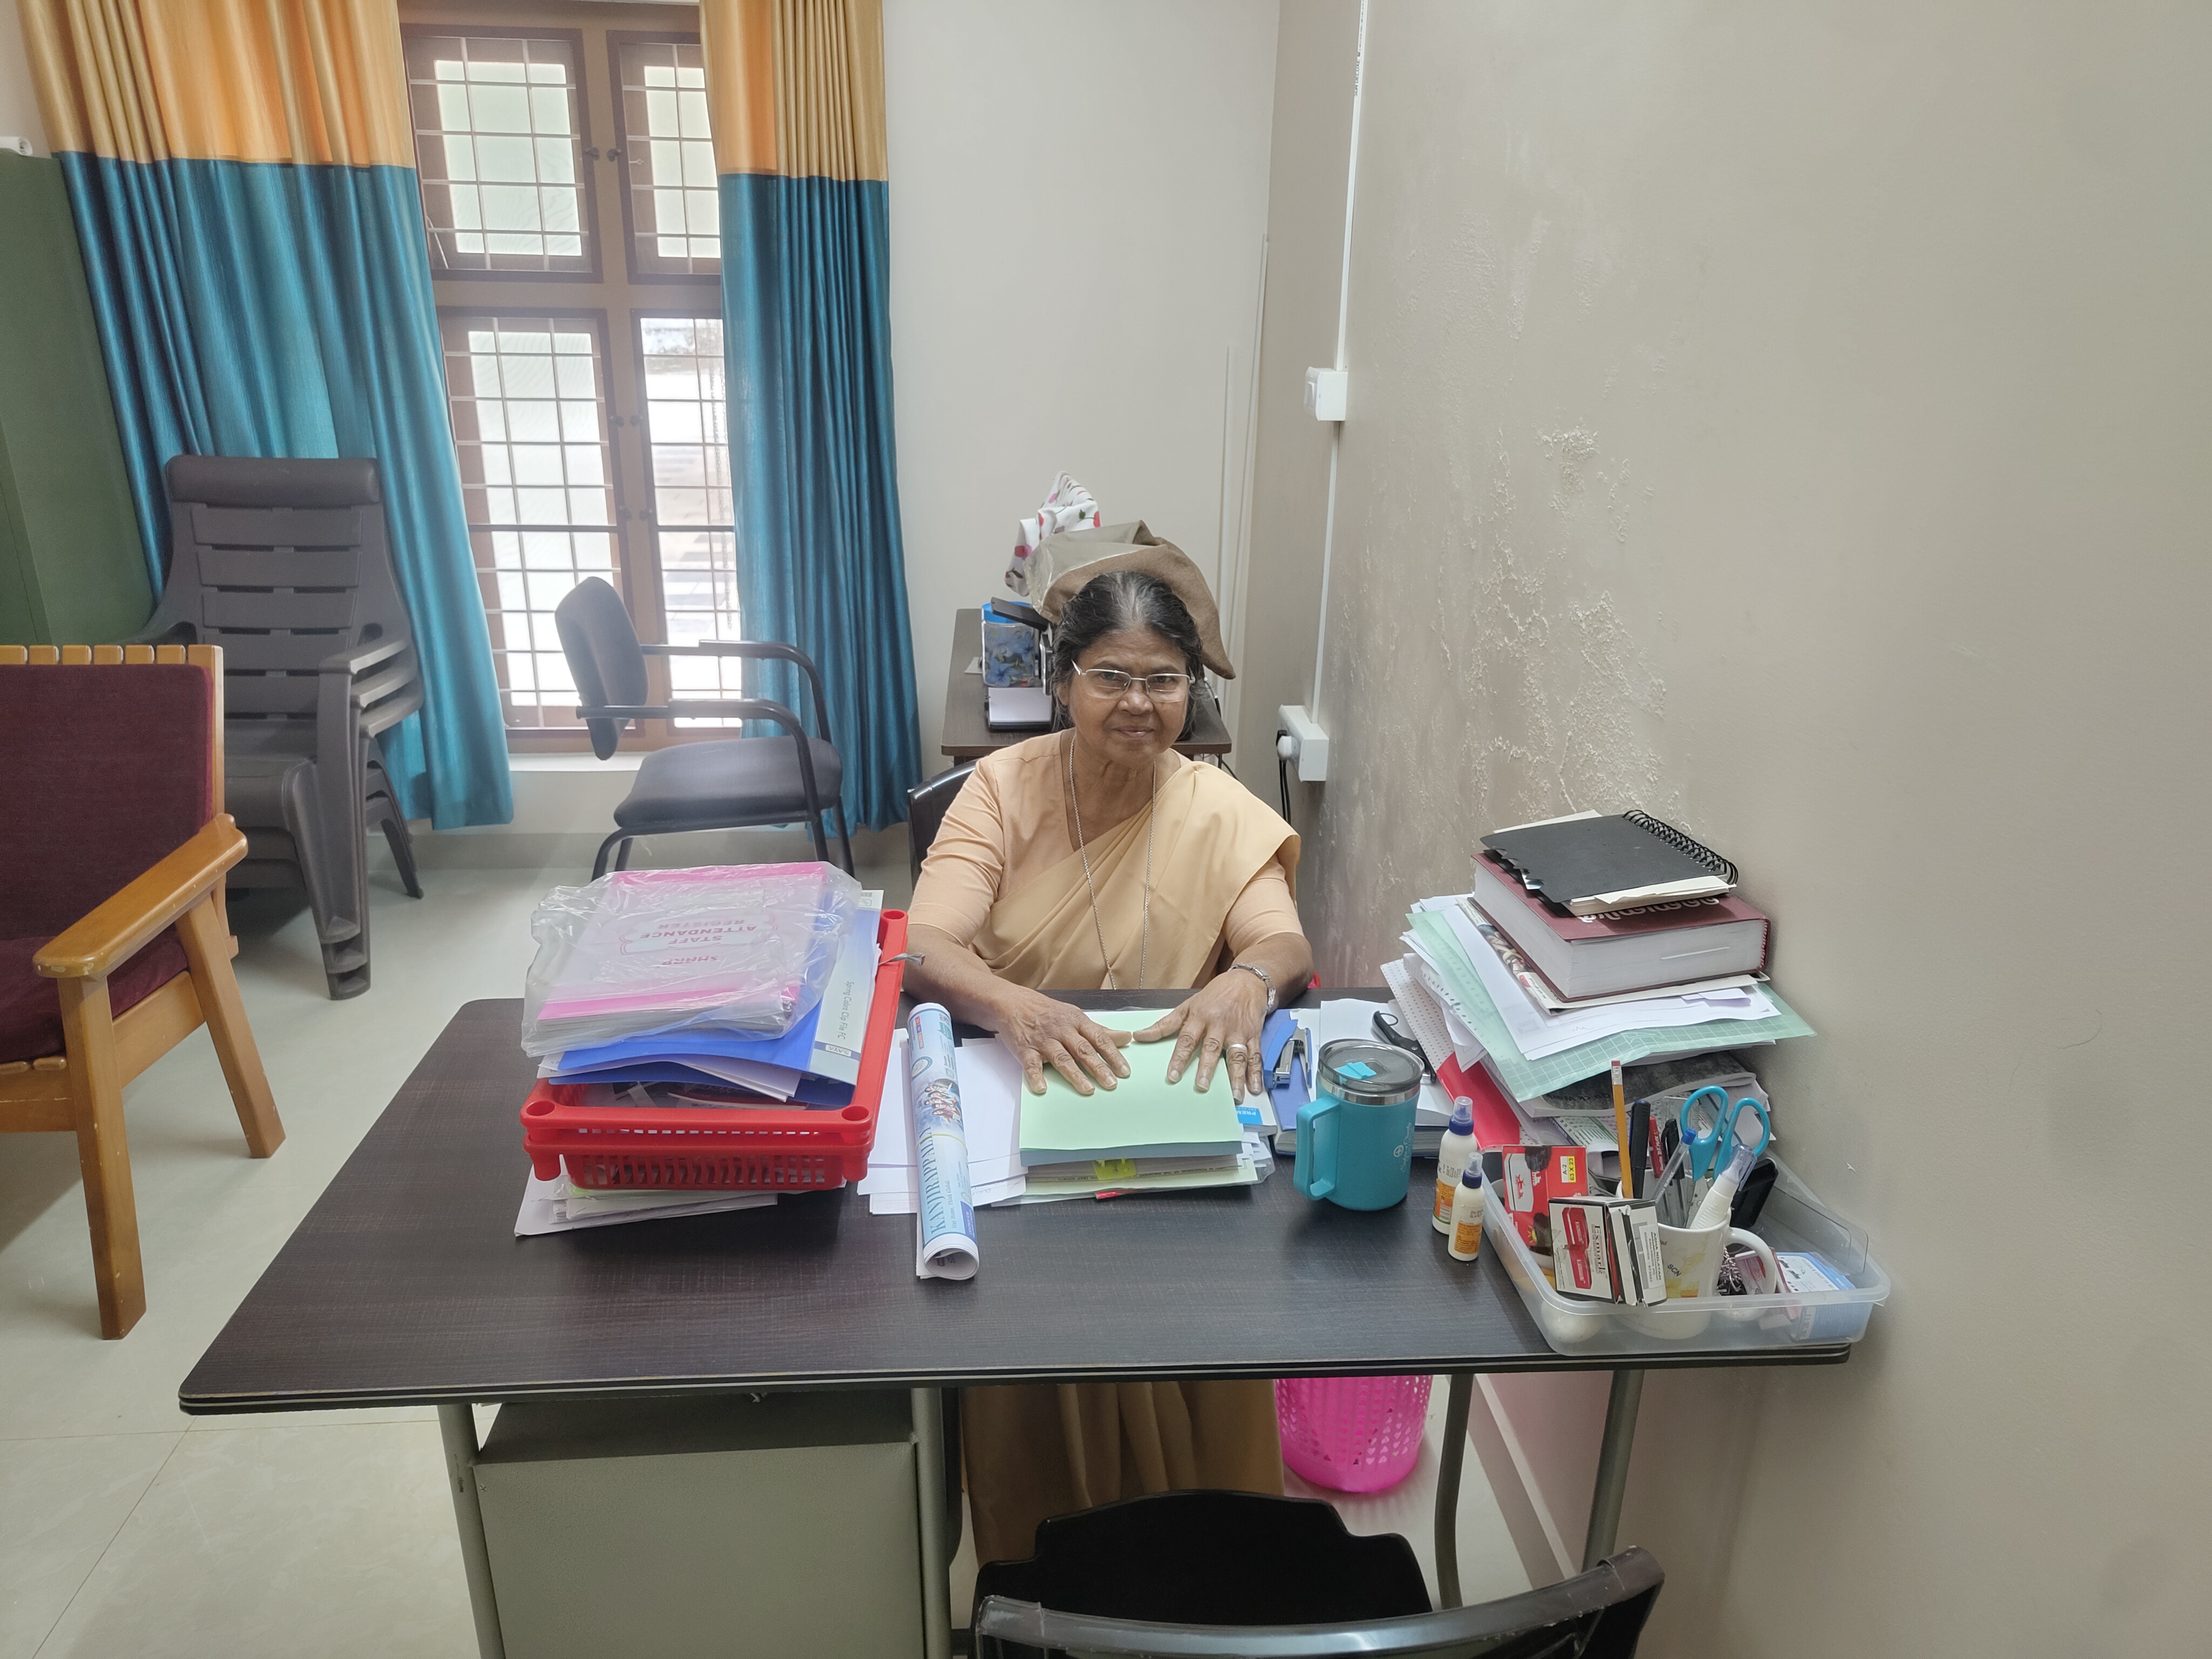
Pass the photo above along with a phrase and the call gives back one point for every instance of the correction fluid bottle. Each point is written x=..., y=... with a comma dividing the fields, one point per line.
x=1453, y=1154
x=1467, y=1215
x=1714, y=1211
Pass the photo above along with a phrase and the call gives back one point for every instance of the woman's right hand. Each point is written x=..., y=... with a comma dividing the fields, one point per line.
x=1045, y=1031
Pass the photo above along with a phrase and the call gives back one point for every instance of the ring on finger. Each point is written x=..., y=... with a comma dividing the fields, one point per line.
x=1238, y=1050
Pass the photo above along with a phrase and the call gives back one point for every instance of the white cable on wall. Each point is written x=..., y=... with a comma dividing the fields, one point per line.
x=1343, y=324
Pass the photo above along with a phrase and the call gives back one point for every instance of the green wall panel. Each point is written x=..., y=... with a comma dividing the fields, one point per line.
x=71, y=569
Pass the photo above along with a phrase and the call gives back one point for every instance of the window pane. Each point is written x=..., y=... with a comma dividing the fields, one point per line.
x=675, y=213
x=499, y=143
x=528, y=396
x=687, y=456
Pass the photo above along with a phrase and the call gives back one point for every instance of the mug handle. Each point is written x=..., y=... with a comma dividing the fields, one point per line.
x=1310, y=1141
x=1736, y=1236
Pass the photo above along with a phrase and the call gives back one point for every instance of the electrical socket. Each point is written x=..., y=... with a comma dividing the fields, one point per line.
x=1303, y=741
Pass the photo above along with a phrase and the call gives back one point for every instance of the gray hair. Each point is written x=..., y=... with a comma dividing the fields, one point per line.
x=1119, y=600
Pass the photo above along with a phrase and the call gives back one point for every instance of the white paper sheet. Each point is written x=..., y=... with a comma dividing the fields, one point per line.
x=990, y=1111
x=544, y=1208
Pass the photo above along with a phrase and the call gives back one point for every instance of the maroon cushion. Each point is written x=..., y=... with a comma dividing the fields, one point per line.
x=31, y=1009
x=104, y=773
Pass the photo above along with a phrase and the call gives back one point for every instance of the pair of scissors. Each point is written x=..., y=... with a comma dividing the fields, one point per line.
x=1714, y=1140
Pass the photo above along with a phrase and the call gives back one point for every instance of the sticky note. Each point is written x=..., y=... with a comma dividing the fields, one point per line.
x=1113, y=1168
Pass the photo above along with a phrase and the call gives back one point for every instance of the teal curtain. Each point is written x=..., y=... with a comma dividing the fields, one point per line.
x=273, y=309
x=805, y=296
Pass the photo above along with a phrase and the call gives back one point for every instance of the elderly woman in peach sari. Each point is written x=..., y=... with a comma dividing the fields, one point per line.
x=1093, y=858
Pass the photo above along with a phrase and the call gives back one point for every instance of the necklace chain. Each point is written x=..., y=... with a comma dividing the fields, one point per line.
x=1083, y=845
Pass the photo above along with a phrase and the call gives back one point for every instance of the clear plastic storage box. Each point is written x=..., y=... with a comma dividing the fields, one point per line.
x=1793, y=1221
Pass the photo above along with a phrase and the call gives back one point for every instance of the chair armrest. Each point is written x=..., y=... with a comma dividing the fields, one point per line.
x=760, y=650
x=722, y=708
x=94, y=945
x=363, y=657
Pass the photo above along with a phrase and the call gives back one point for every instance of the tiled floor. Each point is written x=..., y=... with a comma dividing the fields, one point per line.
x=128, y=1528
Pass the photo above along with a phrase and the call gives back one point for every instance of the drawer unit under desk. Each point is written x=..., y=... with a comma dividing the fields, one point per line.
x=784, y=1524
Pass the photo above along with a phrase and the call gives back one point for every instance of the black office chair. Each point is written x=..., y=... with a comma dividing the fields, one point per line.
x=926, y=803
x=1220, y=1574
x=286, y=566
x=729, y=784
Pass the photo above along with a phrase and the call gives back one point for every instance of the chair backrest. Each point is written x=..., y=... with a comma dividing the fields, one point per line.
x=926, y=803
x=1598, y=1614
x=1182, y=1557
x=110, y=758
x=282, y=563
x=605, y=658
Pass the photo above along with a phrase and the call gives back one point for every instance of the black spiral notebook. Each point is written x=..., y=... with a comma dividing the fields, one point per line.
x=1590, y=865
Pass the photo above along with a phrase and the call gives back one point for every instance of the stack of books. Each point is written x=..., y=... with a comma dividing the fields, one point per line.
x=1146, y=1134
x=1586, y=940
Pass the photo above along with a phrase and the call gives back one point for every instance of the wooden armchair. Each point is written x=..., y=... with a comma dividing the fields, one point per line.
x=115, y=945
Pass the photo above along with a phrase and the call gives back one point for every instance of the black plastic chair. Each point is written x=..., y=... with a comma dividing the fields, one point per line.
x=926, y=803
x=729, y=784
x=285, y=564
x=1217, y=1574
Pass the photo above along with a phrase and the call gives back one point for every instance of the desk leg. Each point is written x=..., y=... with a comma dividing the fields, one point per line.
x=936, y=1555
x=1612, y=1466
x=458, y=1424
x=1451, y=1455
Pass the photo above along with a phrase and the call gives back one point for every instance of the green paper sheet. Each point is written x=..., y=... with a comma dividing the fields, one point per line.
x=1143, y=1116
x=1526, y=1079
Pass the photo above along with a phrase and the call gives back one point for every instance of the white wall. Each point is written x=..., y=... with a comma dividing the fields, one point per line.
x=1078, y=195
x=1793, y=420
x=19, y=105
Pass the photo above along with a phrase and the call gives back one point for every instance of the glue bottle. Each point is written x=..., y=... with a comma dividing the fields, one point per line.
x=1466, y=1214
x=1453, y=1153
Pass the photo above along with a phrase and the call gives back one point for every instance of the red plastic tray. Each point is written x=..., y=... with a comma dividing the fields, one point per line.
x=709, y=1149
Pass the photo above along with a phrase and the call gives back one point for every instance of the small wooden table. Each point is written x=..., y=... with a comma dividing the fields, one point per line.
x=967, y=738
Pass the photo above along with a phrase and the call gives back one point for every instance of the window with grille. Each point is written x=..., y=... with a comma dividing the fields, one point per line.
x=586, y=386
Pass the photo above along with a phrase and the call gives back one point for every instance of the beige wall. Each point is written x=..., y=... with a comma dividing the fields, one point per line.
x=19, y=105
x=1079, y=194
x=1305, y=253
x=1793, y=420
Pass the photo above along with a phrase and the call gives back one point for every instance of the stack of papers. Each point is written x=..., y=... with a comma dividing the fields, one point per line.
x=555, y=1207
x=1533, y=1050
x=814, y=1064
x=1145, y=1134
x=990, y=1117
x=1032, y=1148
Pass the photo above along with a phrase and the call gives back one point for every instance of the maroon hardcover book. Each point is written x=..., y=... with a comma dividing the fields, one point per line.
x=1628, y=951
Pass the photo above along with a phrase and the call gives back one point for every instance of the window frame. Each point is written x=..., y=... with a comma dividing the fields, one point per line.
x=617, y=40
x=619, y=512
x=613, y=294
x=586, y=152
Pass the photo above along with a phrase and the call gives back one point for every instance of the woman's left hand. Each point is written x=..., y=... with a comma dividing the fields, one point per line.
x=1220, y=1024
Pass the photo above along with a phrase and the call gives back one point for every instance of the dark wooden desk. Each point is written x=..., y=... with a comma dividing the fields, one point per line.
x=966, y=736
x=406, y=1285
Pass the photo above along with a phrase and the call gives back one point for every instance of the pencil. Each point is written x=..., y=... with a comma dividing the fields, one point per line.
x=1620, y=1128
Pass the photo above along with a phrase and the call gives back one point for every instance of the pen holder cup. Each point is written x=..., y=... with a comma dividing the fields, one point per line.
x=1351, y=1433
x=1356, y=1135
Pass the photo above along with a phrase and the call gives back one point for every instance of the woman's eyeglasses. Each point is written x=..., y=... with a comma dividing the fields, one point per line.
x=1113, y=683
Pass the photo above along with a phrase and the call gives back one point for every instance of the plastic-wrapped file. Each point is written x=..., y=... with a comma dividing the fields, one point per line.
x=945, y=1213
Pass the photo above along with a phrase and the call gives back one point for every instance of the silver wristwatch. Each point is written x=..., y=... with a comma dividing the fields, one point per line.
x=1261, y=975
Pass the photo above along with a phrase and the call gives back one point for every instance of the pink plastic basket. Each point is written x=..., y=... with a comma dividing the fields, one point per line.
x=1351, y=1433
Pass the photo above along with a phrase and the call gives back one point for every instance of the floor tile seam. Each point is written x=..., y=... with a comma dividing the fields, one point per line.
x=90, y=1571
x=86, y=1434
